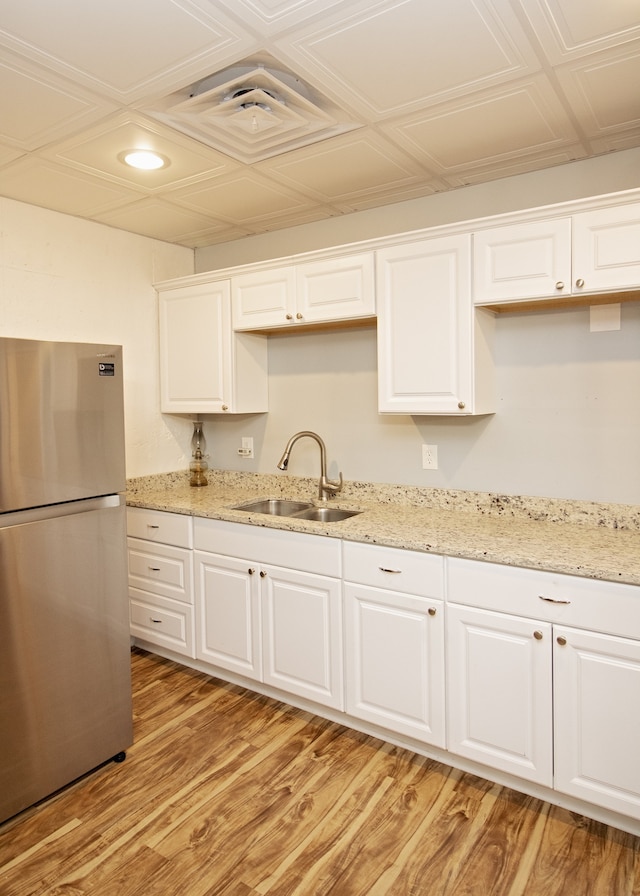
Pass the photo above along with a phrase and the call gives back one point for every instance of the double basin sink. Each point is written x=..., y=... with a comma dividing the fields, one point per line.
x=299, y=510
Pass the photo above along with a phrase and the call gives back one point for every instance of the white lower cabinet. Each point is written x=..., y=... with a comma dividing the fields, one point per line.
x=499, y=678
x=394, y=631
x=278, y=624
x=597, y=722
x=546, y=698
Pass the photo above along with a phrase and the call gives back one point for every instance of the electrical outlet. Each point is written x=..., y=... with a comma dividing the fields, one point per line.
x=429, y=457
x=247, y=448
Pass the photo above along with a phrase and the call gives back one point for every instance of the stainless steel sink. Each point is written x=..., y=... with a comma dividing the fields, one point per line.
x=326, y=514
x=274, y=506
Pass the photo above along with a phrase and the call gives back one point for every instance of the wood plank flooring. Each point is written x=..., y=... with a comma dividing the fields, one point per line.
x=226, y=793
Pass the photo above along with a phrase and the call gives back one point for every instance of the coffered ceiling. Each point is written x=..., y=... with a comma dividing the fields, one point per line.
x=279, y=112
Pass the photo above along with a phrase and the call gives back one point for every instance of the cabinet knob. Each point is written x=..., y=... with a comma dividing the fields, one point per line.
x=560, y=284
x=461, y=405
x=262, y=574
x=225, y=407
x=561, y=640
x=289, y=317
x=431, y=611
x=251, y=571
x=298, y=316
x=537, y=635
x=580, y=283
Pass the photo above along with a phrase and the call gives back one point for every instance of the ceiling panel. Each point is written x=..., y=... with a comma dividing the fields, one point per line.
x=120, y=47
x=273, y=113
x=445, y=50
x=342, y=169
x=99, y=151
x=44, y=183
x=502, y=125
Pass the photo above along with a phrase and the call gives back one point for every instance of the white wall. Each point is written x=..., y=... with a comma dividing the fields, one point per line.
x=568, y=400
x=66, y=279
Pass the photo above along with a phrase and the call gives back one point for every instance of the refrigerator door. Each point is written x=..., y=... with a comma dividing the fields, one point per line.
x=61, y=422
x=65, y=665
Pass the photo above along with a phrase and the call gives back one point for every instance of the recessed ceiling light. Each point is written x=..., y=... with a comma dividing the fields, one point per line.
x=143, y=159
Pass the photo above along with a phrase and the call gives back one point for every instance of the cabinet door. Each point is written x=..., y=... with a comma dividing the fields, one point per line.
x=425, y=327
x=302, y=634
x=195, y=348
x=522, y=261
x=395, y=661
x=228, y=614
x=335, y=289
x=263, y=298
x=606, y=249
x=597, y=721
x=499, y=707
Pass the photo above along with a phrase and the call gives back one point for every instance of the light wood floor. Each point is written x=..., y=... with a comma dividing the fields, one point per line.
x=232, y=794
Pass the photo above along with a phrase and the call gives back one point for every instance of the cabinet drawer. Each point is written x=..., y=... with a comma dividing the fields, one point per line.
x=408, y=572
x=160, y=569
x=161, y=621
x=158, y=525
x=607, y=607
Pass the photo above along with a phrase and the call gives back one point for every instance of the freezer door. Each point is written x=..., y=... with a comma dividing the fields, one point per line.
x=61, y=422
x=65, y=662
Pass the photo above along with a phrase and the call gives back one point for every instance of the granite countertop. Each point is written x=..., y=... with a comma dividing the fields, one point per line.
x=600, y=541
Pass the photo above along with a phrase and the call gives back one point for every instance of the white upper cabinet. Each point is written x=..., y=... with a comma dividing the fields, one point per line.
x=329, y=289
x=434, y=353
x=590, y=252
x=205, y=368
x=522, y=261
x=606, y=249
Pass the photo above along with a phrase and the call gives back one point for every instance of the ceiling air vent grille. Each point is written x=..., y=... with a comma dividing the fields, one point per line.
x=252, y=113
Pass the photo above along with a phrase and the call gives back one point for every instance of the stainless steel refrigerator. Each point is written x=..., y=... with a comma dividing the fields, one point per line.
x=65, y=681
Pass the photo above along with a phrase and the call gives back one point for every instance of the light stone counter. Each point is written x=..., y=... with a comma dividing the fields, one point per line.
x=600, y=541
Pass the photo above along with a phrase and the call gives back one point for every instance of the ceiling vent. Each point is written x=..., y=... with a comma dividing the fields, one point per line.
x=250, y=112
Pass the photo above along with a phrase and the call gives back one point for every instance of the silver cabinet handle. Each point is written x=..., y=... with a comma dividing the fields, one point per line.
x=152, y=526
x=153, y=568
x=561, y=640
x=289, y=317
x=251, y=570
x=157, y=621
x=386, y=569
x=298, y=316
x=263, y=574
x=537, y=635
x=461, y=405
x=431, y=611
x=552, y=600
x=560, y=284
x=580, y=283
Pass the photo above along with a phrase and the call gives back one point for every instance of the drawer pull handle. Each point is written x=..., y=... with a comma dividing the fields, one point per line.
x=553, y=600
x=152, y=526
x=431, y=611
x=157, y=621
x=386, y=569
x=537, y=635
x=154, y=568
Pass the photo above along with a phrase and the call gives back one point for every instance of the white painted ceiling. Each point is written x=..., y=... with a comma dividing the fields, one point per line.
x=355, y=103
